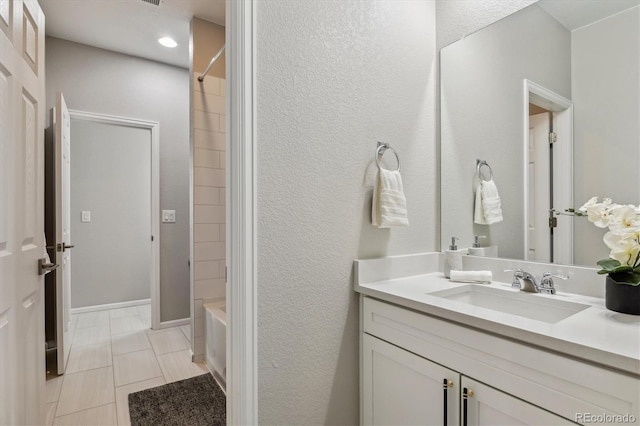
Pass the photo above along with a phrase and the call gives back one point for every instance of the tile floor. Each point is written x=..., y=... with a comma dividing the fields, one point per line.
x=114, y=353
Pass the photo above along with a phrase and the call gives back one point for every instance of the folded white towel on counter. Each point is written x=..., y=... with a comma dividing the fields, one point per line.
x=389, y=207
x=488, y=205
x=472, y=276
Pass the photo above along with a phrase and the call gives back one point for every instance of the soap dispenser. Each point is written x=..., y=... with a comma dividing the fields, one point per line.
x=452, y=258
x=476, y=250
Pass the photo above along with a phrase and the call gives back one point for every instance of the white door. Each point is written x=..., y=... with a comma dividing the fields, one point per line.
x=62, y=143
x=563, y=185
x=539, y=188
x=484, y=405
x=400, y=388
x=22, y=107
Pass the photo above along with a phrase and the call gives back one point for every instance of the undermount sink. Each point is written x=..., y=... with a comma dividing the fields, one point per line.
x=528, y=305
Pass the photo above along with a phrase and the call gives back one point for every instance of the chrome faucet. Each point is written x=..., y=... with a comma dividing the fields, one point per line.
x=527, y=282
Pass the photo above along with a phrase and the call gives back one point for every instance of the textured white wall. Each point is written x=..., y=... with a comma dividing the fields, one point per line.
x=606, y=92
x=481, y=111
x=106, y=82
x=458, y=18
x=333, y=76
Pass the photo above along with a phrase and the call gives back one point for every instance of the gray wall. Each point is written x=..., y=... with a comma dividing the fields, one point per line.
x=106, y=82
x=332, y=78
x=606, y=92
x=482, y=117
x=111, y=175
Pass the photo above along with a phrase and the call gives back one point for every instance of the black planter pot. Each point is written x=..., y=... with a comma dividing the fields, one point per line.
x=622, y=298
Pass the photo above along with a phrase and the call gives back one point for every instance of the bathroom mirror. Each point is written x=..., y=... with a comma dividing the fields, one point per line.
x=572, y=65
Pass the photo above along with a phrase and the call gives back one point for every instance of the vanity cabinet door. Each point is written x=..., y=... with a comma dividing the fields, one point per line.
x=401, y=388
x=483, y=405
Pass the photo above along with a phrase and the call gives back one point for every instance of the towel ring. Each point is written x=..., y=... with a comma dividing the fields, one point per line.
x=382, y=148
x=479, y=164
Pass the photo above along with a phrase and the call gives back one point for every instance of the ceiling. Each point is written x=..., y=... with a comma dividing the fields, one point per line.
x=134, y=26
x=574, y=14
x=131, y=26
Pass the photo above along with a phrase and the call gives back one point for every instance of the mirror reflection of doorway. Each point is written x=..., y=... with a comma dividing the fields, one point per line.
x=548, y=175
x=540, y=188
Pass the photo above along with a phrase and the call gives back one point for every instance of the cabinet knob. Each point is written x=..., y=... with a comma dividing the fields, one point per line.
x=450, y=383
x=470, y=393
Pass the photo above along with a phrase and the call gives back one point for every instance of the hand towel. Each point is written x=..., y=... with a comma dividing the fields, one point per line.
x=389, y=206
x=478, y=211
x=487, y=209
x=491, y=202
x=472, y=276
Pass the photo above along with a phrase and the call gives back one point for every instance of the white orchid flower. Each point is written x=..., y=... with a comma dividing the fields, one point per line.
x=623, y=238
x=599, y=214
x=624, y=217
x=592, y=202
x=614, y=238
x=625, y=251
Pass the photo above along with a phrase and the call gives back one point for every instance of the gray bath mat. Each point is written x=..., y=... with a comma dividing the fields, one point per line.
x=197, y=401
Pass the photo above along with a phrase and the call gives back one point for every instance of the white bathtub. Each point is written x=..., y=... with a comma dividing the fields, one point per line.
x=216, y=339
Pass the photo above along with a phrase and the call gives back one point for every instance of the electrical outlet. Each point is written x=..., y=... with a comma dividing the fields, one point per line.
x=86, y=216
x=168, y=216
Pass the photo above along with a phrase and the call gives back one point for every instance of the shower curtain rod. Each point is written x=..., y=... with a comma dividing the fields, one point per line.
x=213, y=61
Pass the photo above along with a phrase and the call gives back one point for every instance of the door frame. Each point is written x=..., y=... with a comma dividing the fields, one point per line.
x=562, y=109
x=241, y=201
x=154, y=128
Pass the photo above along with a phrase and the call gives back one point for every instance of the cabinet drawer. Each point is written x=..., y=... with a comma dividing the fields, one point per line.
x=563, y=385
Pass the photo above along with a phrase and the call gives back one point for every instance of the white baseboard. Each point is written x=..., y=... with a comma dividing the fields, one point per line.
x=108, y=306
x=175, y=323
x=199, y=358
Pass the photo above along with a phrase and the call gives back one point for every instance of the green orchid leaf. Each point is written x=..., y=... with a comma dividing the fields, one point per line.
x=618, y=270
x=608, y=264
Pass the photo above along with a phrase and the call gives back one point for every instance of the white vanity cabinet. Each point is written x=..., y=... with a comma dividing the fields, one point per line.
x=407, y=355
x=401, y=388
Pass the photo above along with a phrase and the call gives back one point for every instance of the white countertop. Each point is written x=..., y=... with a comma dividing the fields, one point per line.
x=594, y=334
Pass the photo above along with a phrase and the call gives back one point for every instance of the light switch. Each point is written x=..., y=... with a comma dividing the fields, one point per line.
x=168, y=216
x=86, y=216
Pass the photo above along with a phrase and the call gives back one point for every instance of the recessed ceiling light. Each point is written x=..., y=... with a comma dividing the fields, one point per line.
x=167, y=42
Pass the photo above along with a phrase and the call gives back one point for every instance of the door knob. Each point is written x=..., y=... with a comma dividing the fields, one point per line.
x=44, y=267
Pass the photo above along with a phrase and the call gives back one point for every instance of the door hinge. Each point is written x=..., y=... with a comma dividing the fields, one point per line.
x=553, y=138
x=553, y=222
x=152, y=238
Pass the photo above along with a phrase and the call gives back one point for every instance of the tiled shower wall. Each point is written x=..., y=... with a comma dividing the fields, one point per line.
x=208, y=113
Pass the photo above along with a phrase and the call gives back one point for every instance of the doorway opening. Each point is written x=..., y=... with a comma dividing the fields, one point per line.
x=548, y=175
x=106, y=208
x=120, y=176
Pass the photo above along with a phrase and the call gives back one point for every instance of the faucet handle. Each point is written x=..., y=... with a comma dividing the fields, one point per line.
x=546, y=283
x=517, y=273
x=556, y=275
